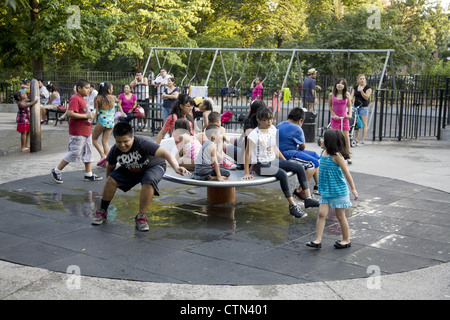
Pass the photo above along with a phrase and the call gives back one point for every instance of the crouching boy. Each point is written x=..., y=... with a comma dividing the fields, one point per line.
x=141, y=161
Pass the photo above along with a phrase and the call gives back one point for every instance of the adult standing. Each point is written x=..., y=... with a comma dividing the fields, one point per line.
x=91, y=97
x=361, y=95
x=139, y=86
x=169, y=96
x=309, y=95
x=160, y=83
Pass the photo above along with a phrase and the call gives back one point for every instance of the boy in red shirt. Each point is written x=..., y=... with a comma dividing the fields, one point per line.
x=80, y=138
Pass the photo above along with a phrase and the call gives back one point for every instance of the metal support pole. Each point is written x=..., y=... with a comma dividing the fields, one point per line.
x=284, y=81
x=148, y=60
x=384, y=70
x=210, y=69
x=35, y=119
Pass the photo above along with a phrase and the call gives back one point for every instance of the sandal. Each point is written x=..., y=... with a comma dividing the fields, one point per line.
x=314, y=245
x=102, y=163
x=338, y=245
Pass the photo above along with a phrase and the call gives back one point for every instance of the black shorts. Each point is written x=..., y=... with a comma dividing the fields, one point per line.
x=127, y=179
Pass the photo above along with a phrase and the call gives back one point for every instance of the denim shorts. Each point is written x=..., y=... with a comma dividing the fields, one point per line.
x=363, y=111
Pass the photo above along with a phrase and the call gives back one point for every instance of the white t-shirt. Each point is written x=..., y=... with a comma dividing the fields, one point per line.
x=265, y=143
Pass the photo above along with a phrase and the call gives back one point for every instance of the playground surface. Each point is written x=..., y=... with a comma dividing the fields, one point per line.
x=251, y=250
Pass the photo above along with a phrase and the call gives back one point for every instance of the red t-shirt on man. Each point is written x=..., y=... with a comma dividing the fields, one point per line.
x=79, y=127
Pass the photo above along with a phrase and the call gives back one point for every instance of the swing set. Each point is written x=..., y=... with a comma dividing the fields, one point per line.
x=294, y=55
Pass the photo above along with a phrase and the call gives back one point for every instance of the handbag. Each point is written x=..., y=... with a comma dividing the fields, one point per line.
x=61, y=108
x=139, y=112
x=359, y=122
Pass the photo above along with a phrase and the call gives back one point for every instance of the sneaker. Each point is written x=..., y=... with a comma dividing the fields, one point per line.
x=57, y=177
x=141, y=222
x=311, y=203
x=94, y=177
x=297, y=212
x=316, y=190
x=100, y=217
x=227, y=164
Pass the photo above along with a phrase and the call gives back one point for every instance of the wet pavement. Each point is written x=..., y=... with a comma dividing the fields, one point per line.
x=397, y=228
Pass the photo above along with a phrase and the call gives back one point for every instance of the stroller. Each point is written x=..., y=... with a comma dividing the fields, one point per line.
x=352, y=124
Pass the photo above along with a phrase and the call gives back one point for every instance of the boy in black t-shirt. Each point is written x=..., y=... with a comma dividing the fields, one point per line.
x=141, y=161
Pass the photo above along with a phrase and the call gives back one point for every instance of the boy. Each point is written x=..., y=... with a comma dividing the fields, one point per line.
x=220, y=137
x=80, y=129
x=292, y=145
x=141, y=161
x=206, y=163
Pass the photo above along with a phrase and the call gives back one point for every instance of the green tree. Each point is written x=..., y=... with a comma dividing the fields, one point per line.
x=36, y=30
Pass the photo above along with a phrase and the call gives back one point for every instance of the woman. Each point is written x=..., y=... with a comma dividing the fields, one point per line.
x=182, y=108
x=361, y=95
x=104, y=106
x=127, y=104
x=53, y=102
x=169, y=96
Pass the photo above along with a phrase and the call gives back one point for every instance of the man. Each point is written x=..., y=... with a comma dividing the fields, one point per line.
x=141, y=161
x=160, y=83
x=140, y=88
x=43, y=92
x=309, y=96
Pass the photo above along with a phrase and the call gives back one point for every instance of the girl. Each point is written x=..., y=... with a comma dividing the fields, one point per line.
x=361, y=93
x=267, y=160
x=181, y=108
x=339, y=102
x=188, y=146
x=104, y=106
x=23, y=119
x=257, y=91
x=206, y=108
x=127, y=104
x=333, y=174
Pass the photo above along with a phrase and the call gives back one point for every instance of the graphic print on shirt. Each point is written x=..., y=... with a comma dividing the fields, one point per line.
x=131, y=161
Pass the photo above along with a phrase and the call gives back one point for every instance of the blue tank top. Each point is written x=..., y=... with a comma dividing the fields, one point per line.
x=332, y=182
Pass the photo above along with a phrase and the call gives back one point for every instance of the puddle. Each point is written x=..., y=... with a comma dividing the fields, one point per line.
x=262, y=212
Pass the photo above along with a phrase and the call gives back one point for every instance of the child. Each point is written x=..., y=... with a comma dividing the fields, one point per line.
x=292, y=145
x=207, y=165
x=23, y=119
x=267, y=160
x=220, y=137
x=188, y=146
x=104, y=104
x=80, y=138
x=333, y=188
x=340, y=105
x=141, y=161
x=206, y=108
x=181, y=108
x=258, y=89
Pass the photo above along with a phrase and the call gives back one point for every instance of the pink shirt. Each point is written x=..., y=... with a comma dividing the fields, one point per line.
x=257, y=92
x=340, y=108
x=127, y=105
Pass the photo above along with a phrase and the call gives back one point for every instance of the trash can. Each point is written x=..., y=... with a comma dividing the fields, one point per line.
x=309, y=126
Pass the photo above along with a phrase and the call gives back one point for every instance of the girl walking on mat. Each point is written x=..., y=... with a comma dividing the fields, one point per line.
x=333, y=178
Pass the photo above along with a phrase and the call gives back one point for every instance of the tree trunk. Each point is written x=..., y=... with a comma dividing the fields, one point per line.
x=37, y=60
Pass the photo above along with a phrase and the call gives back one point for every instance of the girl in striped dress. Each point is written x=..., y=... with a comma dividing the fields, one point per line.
x=333, y=178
